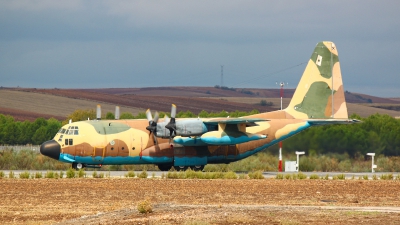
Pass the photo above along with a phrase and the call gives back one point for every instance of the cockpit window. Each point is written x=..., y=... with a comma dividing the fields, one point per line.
x=72, y=130
x=62, y=131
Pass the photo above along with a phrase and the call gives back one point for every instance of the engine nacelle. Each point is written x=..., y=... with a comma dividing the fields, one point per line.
x=184, y=128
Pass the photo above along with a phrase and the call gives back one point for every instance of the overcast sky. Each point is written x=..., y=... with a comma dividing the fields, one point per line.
x=98, y=44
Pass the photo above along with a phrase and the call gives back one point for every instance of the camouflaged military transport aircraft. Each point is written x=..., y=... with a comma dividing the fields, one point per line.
x=183, y=143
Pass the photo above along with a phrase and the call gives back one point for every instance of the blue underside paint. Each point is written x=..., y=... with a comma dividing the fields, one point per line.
x=184, y=161
x=228, y=140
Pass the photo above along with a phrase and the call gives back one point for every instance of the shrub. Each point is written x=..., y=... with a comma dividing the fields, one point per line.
x=96, y=175
x=61, y=174
x=11, y=174
x=341, y=176
x=70, y=173
x=81, y=173
x=230, y=175
x=301, y=176
x=279, y=176
x=243, y=176
x=386, y=177
x=190, y=174
x=153, y=175
x=56, y=175
x=143, y=174
x=374, y=177
x=256, y=175
x=326, y=177
x=130, y=174
x=38, y=175
x=49, y=174
x=145, y=207
x=2, y=175
x=172, y=175
x=288, y=176
x=365, y=177
x=314, y=177
x=24, y=175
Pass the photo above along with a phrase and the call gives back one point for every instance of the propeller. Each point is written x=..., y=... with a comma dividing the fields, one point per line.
x=152, y=127
x=171, y=126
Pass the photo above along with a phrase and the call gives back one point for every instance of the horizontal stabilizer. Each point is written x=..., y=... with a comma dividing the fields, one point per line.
x=316, y=122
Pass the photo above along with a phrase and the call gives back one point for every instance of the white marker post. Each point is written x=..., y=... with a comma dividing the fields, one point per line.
x=298, y=161
x=373, y=165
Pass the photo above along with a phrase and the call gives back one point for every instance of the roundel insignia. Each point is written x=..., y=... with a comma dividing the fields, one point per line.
x=112, y=142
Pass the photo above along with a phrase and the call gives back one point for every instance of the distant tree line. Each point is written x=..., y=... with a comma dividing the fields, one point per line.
x=377, y=133
x=20, y=133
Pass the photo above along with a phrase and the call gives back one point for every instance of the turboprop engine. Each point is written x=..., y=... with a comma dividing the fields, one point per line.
x=169, y=128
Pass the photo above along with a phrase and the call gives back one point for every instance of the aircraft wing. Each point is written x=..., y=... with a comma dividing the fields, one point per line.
x=248, y=121
x=231, y=131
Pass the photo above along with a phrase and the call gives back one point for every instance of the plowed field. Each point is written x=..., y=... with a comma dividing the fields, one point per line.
x=269, y=201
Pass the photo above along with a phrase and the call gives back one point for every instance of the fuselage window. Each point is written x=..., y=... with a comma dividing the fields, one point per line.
x=66, y=141
x=61, y=136
x=76, y=132
x=70, y=142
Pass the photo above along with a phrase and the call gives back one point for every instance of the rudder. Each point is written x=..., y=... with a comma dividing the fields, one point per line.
x=320, y=95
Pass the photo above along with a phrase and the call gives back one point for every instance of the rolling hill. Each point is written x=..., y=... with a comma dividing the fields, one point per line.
x=30, y=103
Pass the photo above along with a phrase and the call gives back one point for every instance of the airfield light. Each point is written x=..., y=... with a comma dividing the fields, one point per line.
x=280, y=143
x=297, y=164
x=372, y=166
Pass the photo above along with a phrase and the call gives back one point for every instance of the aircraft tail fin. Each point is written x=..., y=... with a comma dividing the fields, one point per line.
x=320, y=93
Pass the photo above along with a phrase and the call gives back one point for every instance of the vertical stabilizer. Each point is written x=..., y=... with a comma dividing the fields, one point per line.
x=320, y=93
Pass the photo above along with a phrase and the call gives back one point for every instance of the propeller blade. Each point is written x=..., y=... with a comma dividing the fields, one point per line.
x=148, y=115
x=171, y=126
x=117, y=112
x=173, y=111
x=98, y=112
x=156, y=116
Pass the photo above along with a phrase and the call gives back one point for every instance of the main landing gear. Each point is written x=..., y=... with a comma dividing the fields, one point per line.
x=167, y=167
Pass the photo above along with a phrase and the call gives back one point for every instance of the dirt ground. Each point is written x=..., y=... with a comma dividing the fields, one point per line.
x=269, y=201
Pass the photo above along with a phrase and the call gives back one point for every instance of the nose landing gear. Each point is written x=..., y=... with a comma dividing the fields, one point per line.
x=77, y=166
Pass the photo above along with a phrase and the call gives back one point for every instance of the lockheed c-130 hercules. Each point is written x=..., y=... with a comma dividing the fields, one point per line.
x=183, y=143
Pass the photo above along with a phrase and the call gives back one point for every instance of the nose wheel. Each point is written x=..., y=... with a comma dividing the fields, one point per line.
x=77, y=166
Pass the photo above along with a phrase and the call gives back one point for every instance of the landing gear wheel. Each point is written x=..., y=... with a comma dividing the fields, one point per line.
x=197, y=168
x=77, y=166
x=164, y=167
x=181, y=168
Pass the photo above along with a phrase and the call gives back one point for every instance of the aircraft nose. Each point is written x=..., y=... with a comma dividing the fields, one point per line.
x=51, y=149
